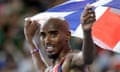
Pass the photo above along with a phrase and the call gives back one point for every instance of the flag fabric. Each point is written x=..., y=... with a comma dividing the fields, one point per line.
x=106, y=28
x=113, y=4
x=70, y=10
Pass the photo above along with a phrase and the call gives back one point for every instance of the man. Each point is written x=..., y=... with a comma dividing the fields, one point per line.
x=55, y=37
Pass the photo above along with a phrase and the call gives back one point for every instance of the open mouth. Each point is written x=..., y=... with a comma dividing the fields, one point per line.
x=50, y=48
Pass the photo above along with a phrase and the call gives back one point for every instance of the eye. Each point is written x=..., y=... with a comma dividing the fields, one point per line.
x=54, y=33
x=42, y=35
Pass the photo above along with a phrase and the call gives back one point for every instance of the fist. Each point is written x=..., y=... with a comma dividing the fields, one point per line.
x=30, y=29
x=87, y=18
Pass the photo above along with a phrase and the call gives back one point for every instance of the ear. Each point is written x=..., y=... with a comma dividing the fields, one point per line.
x=68, y=35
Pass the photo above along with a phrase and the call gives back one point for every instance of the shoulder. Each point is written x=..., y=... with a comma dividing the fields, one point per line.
x=73, y=60
x=75, y=57
x=76, y=53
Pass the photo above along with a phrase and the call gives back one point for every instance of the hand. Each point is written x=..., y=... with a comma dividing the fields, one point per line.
x=87, y=18
x=30, y=29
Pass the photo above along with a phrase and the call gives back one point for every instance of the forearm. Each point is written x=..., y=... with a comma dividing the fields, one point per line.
x=42, y=51
x=88, y=48
x=39, y=65
x=30, y=29
x=37, y=61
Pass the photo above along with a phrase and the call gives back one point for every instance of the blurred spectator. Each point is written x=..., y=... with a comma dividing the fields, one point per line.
x=13, y=54
x=106, y=61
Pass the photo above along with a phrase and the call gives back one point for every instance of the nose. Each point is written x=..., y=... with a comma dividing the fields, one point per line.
x=48, y=39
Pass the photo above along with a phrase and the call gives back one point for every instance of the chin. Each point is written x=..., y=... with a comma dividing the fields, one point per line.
x=52, y=56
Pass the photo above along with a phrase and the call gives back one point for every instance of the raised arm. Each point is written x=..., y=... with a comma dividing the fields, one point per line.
x=30, y=29
x=87, y=20
x=77, y=60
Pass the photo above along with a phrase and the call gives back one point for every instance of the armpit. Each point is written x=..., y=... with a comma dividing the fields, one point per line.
x=77, y=59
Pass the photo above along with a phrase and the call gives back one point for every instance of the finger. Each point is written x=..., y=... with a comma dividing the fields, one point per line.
x=88, y=18
x=28, y=23
x=91, y=20
x=88, y=6
x=34, y=26
x=91, y=14
x=88, y=9
x=34, y=23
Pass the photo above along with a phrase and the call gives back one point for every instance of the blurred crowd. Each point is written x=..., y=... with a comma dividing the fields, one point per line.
x=14, y=50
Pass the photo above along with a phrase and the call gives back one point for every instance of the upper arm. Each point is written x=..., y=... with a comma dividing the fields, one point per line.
x=73, y=60
x=77, y=59
x=77, y=63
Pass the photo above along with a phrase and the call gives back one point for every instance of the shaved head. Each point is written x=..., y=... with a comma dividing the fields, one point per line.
x=58, y=23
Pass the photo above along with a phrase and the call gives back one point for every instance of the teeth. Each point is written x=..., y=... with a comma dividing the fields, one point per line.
x=49, y=46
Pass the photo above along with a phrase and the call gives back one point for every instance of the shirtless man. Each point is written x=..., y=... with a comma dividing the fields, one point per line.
x=55, y=37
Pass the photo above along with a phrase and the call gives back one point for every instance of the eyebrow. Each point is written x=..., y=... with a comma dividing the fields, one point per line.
x=53, y=31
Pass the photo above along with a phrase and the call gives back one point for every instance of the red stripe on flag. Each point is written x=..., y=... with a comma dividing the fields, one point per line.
x=107, y=28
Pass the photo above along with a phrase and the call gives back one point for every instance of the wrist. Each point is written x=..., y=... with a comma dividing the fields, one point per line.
x=29, y=39
x=87, y=31
x=35, y=50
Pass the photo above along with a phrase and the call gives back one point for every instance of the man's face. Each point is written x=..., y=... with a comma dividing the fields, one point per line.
x=53, y=39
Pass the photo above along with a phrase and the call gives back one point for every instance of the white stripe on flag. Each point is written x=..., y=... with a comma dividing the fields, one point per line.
x=78, y=32
x=117, y=47
x=99, y=11
x=43, y=17
x=100, y=3
x=101, y=44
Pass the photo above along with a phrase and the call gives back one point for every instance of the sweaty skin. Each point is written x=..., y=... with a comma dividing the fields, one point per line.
x=55, y=39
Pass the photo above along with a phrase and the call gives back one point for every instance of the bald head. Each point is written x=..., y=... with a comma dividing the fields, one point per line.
x=58, y=23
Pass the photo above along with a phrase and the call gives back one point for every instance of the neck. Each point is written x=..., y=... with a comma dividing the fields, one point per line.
x=62, y=55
